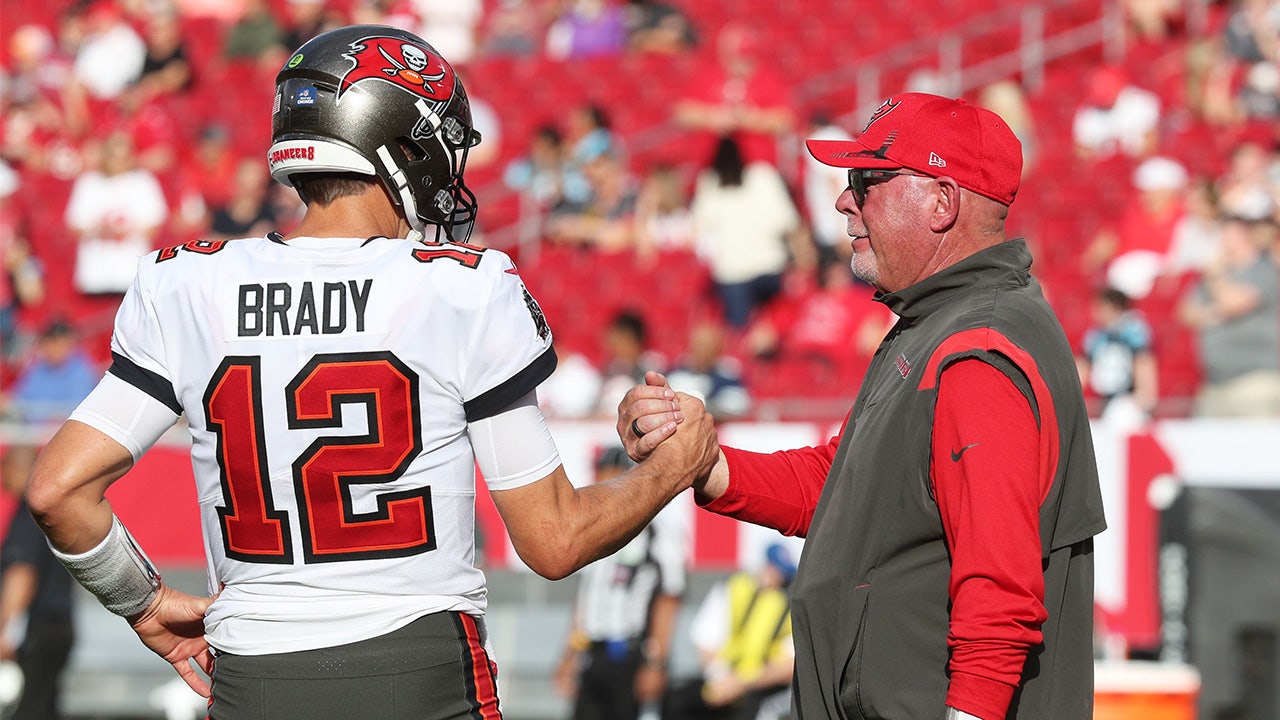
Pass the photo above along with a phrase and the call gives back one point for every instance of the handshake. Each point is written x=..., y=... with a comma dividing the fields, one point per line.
x=674, y=431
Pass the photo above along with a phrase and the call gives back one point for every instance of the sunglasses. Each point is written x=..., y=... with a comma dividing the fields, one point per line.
x=862, y=178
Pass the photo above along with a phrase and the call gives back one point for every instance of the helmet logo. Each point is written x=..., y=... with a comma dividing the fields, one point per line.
x=294, y=61
x=408, y=66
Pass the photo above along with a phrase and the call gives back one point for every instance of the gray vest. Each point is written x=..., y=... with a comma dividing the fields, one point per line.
x=870, y=605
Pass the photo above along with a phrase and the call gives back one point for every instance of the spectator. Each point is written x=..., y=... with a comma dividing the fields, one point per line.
x=615, y=662
x=821, y=183
x=1116, y=361
x=1252, y=31
x=248, y=213
x=59, y=376
x=706, y=372
x=35, y=592
x=658, y=27
x=35, y=66
x=489, y=125
x=742, y=632
x=1260, y=93
x=111, y=55
x=739, y=93
x=1008, y=99
x=256, y=36
x=167, y=70
x=587, y=29
x=45, y=108
x=304, y=19
x=112, y=232
x=150, y=122
x=573, y=390
x=1136, y=252
x=627, y=358
x=1152, y=20
x=1196, y=237
x=1246, y=189
x=21, y=274
x=539, y=174
x=588, y=135
x=663, y=220
x=514, y=30
x=836, y=325
x=744, y=221
x=212, y=166
x=451, y=25
x=606, y=220
x=1116, y=117
x=1235, y=311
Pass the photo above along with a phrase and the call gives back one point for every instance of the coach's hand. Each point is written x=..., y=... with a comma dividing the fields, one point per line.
x=173, y=627
x=647, y=415
x=693, y=450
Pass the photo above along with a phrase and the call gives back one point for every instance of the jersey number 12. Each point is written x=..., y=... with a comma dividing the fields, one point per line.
x=253, y=529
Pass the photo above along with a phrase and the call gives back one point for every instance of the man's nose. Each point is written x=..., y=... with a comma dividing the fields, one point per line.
x=847, y=205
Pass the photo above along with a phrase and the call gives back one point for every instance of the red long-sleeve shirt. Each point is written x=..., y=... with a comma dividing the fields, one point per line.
x=985, y=469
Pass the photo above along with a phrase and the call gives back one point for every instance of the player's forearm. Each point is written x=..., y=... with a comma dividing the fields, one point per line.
x=606, y=516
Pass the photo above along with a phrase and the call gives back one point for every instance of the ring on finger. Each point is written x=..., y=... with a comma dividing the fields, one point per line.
x=635, y=429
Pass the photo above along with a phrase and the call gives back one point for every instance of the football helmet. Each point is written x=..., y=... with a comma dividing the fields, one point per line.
x=377, y=100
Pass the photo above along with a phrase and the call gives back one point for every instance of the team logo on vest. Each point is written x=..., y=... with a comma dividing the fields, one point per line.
x=903, y=365
x=413, y=68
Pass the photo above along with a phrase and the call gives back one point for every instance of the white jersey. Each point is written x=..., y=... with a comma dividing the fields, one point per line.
x=328, y=384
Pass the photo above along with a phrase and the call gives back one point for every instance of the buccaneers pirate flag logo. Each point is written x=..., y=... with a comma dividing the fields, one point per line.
x=416, y=69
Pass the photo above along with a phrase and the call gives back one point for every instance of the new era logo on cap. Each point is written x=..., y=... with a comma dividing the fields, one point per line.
x=936, y=136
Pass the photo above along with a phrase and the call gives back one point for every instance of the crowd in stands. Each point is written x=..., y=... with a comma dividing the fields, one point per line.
x=643, y=165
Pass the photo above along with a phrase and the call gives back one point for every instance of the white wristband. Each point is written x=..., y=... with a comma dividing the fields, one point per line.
x=116, y=572
x=954, y=714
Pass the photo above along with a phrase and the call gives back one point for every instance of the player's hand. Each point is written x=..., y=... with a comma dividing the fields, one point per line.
x=173, y=627
x=647, y=415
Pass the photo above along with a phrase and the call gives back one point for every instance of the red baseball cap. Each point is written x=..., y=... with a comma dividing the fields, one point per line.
x=936, y=136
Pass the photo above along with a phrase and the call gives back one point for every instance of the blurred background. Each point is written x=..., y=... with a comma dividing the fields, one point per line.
x=643, y=163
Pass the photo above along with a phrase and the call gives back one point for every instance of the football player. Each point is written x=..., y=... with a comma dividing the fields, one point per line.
x=340, y=384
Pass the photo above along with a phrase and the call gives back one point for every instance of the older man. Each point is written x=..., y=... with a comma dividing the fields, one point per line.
x=948, y=569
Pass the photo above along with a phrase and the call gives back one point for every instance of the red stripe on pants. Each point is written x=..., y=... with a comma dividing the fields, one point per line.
x=484, y=673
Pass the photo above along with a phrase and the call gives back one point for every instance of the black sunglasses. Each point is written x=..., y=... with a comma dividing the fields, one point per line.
x=862, y=178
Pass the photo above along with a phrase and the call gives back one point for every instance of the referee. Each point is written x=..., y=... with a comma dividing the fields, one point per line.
x=615, y=662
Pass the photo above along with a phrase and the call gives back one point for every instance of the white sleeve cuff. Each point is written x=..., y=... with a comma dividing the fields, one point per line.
x=125, y=414
x=514, y=447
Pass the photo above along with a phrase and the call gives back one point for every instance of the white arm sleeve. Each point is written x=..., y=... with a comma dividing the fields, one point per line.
x=514, y=447
x=125, y=414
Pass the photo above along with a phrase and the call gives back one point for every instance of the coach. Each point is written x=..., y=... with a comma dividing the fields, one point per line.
x=948, y=570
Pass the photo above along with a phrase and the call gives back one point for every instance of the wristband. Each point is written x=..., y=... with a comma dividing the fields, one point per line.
x=116, y=572
x=954, y=714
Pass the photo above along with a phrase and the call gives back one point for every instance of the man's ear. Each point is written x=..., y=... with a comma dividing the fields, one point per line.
x=947, y=208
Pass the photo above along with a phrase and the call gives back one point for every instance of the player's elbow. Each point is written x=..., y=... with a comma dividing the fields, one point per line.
x=553, y=558
x=46, y=492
